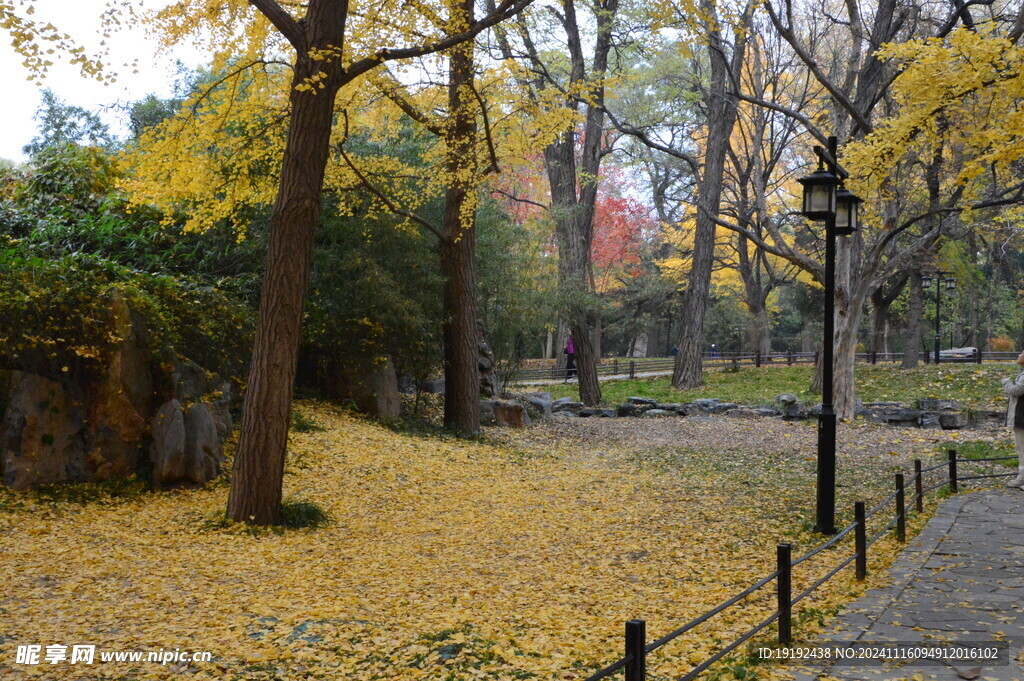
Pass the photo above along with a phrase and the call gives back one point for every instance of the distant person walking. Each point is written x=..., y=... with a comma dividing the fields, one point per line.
x=1015, y=419
x=570, y=357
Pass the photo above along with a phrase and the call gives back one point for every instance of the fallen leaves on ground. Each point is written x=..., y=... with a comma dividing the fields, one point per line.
x=517, y=557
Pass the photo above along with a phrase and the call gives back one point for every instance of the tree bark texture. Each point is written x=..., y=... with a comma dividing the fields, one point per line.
x=721, y=116
x=255, y=495
x=844, y=399
x=881, y=301
x=573, y=212
x=459, y=329
x=458, y=248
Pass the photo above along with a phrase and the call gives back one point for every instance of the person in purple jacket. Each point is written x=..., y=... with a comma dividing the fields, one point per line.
x=570, y=357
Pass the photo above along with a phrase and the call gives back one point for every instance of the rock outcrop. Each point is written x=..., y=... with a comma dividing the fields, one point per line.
x=42, y=432
x=93, y=426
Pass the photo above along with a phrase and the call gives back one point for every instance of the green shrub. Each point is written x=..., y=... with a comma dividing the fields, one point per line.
x=55, y=315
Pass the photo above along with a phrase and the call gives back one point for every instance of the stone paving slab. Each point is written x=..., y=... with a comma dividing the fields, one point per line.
x=960, y=580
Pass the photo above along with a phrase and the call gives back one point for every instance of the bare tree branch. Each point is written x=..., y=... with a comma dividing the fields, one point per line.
x=283, y=22
x=506, y=9
x=840, y=96
x=373, y=189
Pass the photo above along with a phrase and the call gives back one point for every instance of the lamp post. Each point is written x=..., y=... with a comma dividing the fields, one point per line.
x=940, y=276
x=825, y=199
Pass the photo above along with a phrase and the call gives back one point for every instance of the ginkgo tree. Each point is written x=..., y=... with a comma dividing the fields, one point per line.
x=313, y=52
x=39, y=42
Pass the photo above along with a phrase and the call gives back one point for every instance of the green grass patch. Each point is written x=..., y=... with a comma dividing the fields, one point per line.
x=304, y=424
x=982, y=449
x=296, y=514
x=975, y=387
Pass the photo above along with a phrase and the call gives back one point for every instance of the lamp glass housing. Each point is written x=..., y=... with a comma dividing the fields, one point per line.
x=950, y=283
x=846, y=212
x=819, y=194
x=926, y=280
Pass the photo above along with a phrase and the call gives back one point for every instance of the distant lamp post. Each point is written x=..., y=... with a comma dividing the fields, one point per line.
x=736, y=339
x=825, y=199
x=926, y=282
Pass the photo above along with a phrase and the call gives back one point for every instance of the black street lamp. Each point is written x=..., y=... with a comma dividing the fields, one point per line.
x=926, y=281
x=825, y=199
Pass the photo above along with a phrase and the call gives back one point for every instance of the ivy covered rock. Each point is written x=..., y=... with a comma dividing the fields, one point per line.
x=41, y=433
x=96, y=353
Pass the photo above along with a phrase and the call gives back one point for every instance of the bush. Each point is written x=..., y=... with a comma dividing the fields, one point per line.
x=1001, y=343
x=55, y=315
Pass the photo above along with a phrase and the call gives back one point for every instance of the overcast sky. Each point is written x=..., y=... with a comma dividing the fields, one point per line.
x=80, y=19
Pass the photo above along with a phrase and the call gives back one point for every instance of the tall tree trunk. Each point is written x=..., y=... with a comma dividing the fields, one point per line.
x=990, y=309
x=844, y=399
x=458, y=248
x=459, y=330
x=879, y=322
x=721, y=111
x=761, y=330
x=574, y=213
x=882, y=299
x=561, y=336
x=973, y=293
x=818, y=378
x=255, y=495
x=915, y=315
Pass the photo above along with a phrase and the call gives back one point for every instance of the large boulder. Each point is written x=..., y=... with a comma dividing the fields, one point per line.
x=503, y=413
x=191, y=382
x=654, y=413
x=374, y=391
x=599, y=413
x=41, y=433
x=168, y=449
x=564, y=404
x=750, y=412
x=538, y=405
x=433, y=386
x=119, y=404
x=203, y=452
x=785, y=400
x=187, y=444
x=952, y=420
x=981, y=418
x=703, y=405
x=897, y=415
x=219, y=403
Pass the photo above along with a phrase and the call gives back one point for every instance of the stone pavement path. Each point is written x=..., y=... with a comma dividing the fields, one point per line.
x=960, y=580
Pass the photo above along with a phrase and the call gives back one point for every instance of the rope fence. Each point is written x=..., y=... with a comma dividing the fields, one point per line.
x=636, y=649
